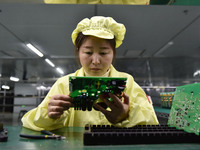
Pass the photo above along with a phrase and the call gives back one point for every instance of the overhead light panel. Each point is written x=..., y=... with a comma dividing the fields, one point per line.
x=196, y=73
x=164, y=48
x=35, y=50
x=60, y=70
x=49, y=62
x=14, y=79
x=5, y=87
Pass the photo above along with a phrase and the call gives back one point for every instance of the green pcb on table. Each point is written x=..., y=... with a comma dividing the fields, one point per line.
x=185, y=111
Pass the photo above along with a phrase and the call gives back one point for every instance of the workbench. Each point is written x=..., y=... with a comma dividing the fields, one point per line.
x=74, y=140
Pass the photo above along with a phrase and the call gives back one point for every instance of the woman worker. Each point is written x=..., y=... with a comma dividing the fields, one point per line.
x=95, y=41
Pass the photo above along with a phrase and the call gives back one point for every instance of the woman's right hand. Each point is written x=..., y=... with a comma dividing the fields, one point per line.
x=58, y=104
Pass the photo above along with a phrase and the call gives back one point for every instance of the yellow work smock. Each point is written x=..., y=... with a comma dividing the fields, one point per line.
x=141, y=112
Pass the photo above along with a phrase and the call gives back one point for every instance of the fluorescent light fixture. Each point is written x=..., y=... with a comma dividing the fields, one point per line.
x=164, y=48
x=43, y=88
x=148, y=89
x=196, y=73
x=49, y=62
x=14, y=79
x=60, y=70
x=35, y=50
x=5, y=87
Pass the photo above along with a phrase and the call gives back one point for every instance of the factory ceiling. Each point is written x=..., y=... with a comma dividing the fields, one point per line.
x=153, y=33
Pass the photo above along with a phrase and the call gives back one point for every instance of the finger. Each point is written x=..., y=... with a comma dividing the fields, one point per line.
x=56, y=109
x=67, y=98
x=126, y=98
x=105, y=100
x=116, y=101
x=98, y=107
x=60, y=103
x=54, y=115
x=62, y=97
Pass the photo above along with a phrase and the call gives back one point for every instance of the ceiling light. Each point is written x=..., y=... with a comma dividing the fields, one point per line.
x=14, y=79
x=41, y=87
x=5, y=87
x=196, y=73
x=164, y=48
x=60, y=70
x=49, y=62
x=35, y=50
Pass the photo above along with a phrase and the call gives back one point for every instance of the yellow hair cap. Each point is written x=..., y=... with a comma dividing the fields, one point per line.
x=101, y=27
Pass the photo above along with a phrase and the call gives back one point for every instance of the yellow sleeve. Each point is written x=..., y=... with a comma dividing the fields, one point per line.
x=37, y=118
x=141, y=112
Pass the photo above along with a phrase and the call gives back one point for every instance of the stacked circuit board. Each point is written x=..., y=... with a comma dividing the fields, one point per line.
x=167, y=99
x=86, y=90
x=185, y=111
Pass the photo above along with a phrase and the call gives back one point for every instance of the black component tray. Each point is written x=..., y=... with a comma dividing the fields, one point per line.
x=148, y=134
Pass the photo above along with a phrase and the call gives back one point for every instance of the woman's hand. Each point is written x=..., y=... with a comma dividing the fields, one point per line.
x=119, y=107
x=58, y=104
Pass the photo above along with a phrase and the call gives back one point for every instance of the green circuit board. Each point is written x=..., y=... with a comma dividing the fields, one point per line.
x=86, y=90
x=185, y=111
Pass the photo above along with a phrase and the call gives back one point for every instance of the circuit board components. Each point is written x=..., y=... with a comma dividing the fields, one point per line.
x=185, y=111
x=86, y=90
x=166, y=99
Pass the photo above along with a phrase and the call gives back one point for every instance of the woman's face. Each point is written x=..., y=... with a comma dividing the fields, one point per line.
x=95, y=55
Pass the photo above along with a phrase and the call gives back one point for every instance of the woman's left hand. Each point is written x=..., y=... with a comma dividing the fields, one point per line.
x=119, y=107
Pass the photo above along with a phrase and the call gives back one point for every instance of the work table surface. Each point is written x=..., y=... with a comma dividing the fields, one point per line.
x=74, y=140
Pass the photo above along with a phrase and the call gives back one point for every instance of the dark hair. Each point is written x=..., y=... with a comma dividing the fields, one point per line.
x=81, y=37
